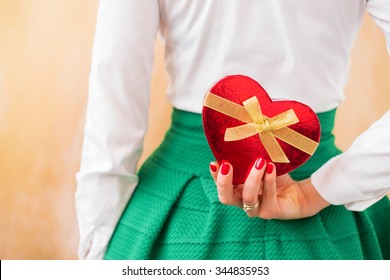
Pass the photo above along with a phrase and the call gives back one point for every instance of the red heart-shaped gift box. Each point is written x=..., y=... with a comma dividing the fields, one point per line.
x=242, y=123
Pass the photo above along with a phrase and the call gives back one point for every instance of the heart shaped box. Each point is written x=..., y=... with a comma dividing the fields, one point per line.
x=226, y=122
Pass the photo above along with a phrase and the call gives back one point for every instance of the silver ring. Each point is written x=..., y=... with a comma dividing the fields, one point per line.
x=247, y=207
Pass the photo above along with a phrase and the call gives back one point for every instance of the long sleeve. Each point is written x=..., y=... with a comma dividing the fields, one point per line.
x=361, y=176
x=116, y=118
x=380, y=12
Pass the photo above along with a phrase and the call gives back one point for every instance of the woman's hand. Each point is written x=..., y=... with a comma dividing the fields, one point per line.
x=277, y=197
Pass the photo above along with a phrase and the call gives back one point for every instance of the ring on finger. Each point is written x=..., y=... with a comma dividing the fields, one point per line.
x=249, y=207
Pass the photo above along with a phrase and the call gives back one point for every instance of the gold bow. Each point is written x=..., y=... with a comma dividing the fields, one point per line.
x=267, y=128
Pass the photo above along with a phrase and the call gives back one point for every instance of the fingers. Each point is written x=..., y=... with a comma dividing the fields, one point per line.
x=269, y=202
x=281, y=197
x=252, y=186
x=261, y=182
x=214, y=167
x=223, y=178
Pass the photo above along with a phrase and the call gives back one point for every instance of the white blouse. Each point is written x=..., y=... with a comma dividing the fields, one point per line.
x=297, y=49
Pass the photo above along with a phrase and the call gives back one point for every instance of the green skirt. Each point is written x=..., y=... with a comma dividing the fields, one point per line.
x=175, y=213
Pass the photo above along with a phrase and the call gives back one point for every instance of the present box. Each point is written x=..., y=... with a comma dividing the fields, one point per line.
x=242, y=123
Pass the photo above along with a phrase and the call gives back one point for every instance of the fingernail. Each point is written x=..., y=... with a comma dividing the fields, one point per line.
x=213, y=168
x=270, y=168
x=225, y=168
x=259, y=163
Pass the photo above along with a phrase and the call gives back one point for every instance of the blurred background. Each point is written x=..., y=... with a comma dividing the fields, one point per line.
x=45, y=52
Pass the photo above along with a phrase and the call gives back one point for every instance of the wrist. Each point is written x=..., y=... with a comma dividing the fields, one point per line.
x=315, y=202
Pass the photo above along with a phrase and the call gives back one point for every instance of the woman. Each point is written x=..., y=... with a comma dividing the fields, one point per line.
x=172, y=208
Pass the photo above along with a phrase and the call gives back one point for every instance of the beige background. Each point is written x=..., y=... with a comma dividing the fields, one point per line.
x=45, y=49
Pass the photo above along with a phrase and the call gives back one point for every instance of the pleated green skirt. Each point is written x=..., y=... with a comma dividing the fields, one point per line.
x=175, y=213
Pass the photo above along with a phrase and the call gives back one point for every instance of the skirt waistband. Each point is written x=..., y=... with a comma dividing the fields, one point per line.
x=185, y=147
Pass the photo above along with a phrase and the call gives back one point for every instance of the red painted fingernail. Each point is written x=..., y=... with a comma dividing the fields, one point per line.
x=225, y=168
x=259, y=163
x=213, y=167
x=270, y=168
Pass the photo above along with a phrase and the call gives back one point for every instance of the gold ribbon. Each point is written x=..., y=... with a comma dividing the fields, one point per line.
x=267, y=128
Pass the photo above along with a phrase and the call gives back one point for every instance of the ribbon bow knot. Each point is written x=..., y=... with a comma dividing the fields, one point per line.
x=260, y=127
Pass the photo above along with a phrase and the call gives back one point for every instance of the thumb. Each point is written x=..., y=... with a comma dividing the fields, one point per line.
x=283, y=180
